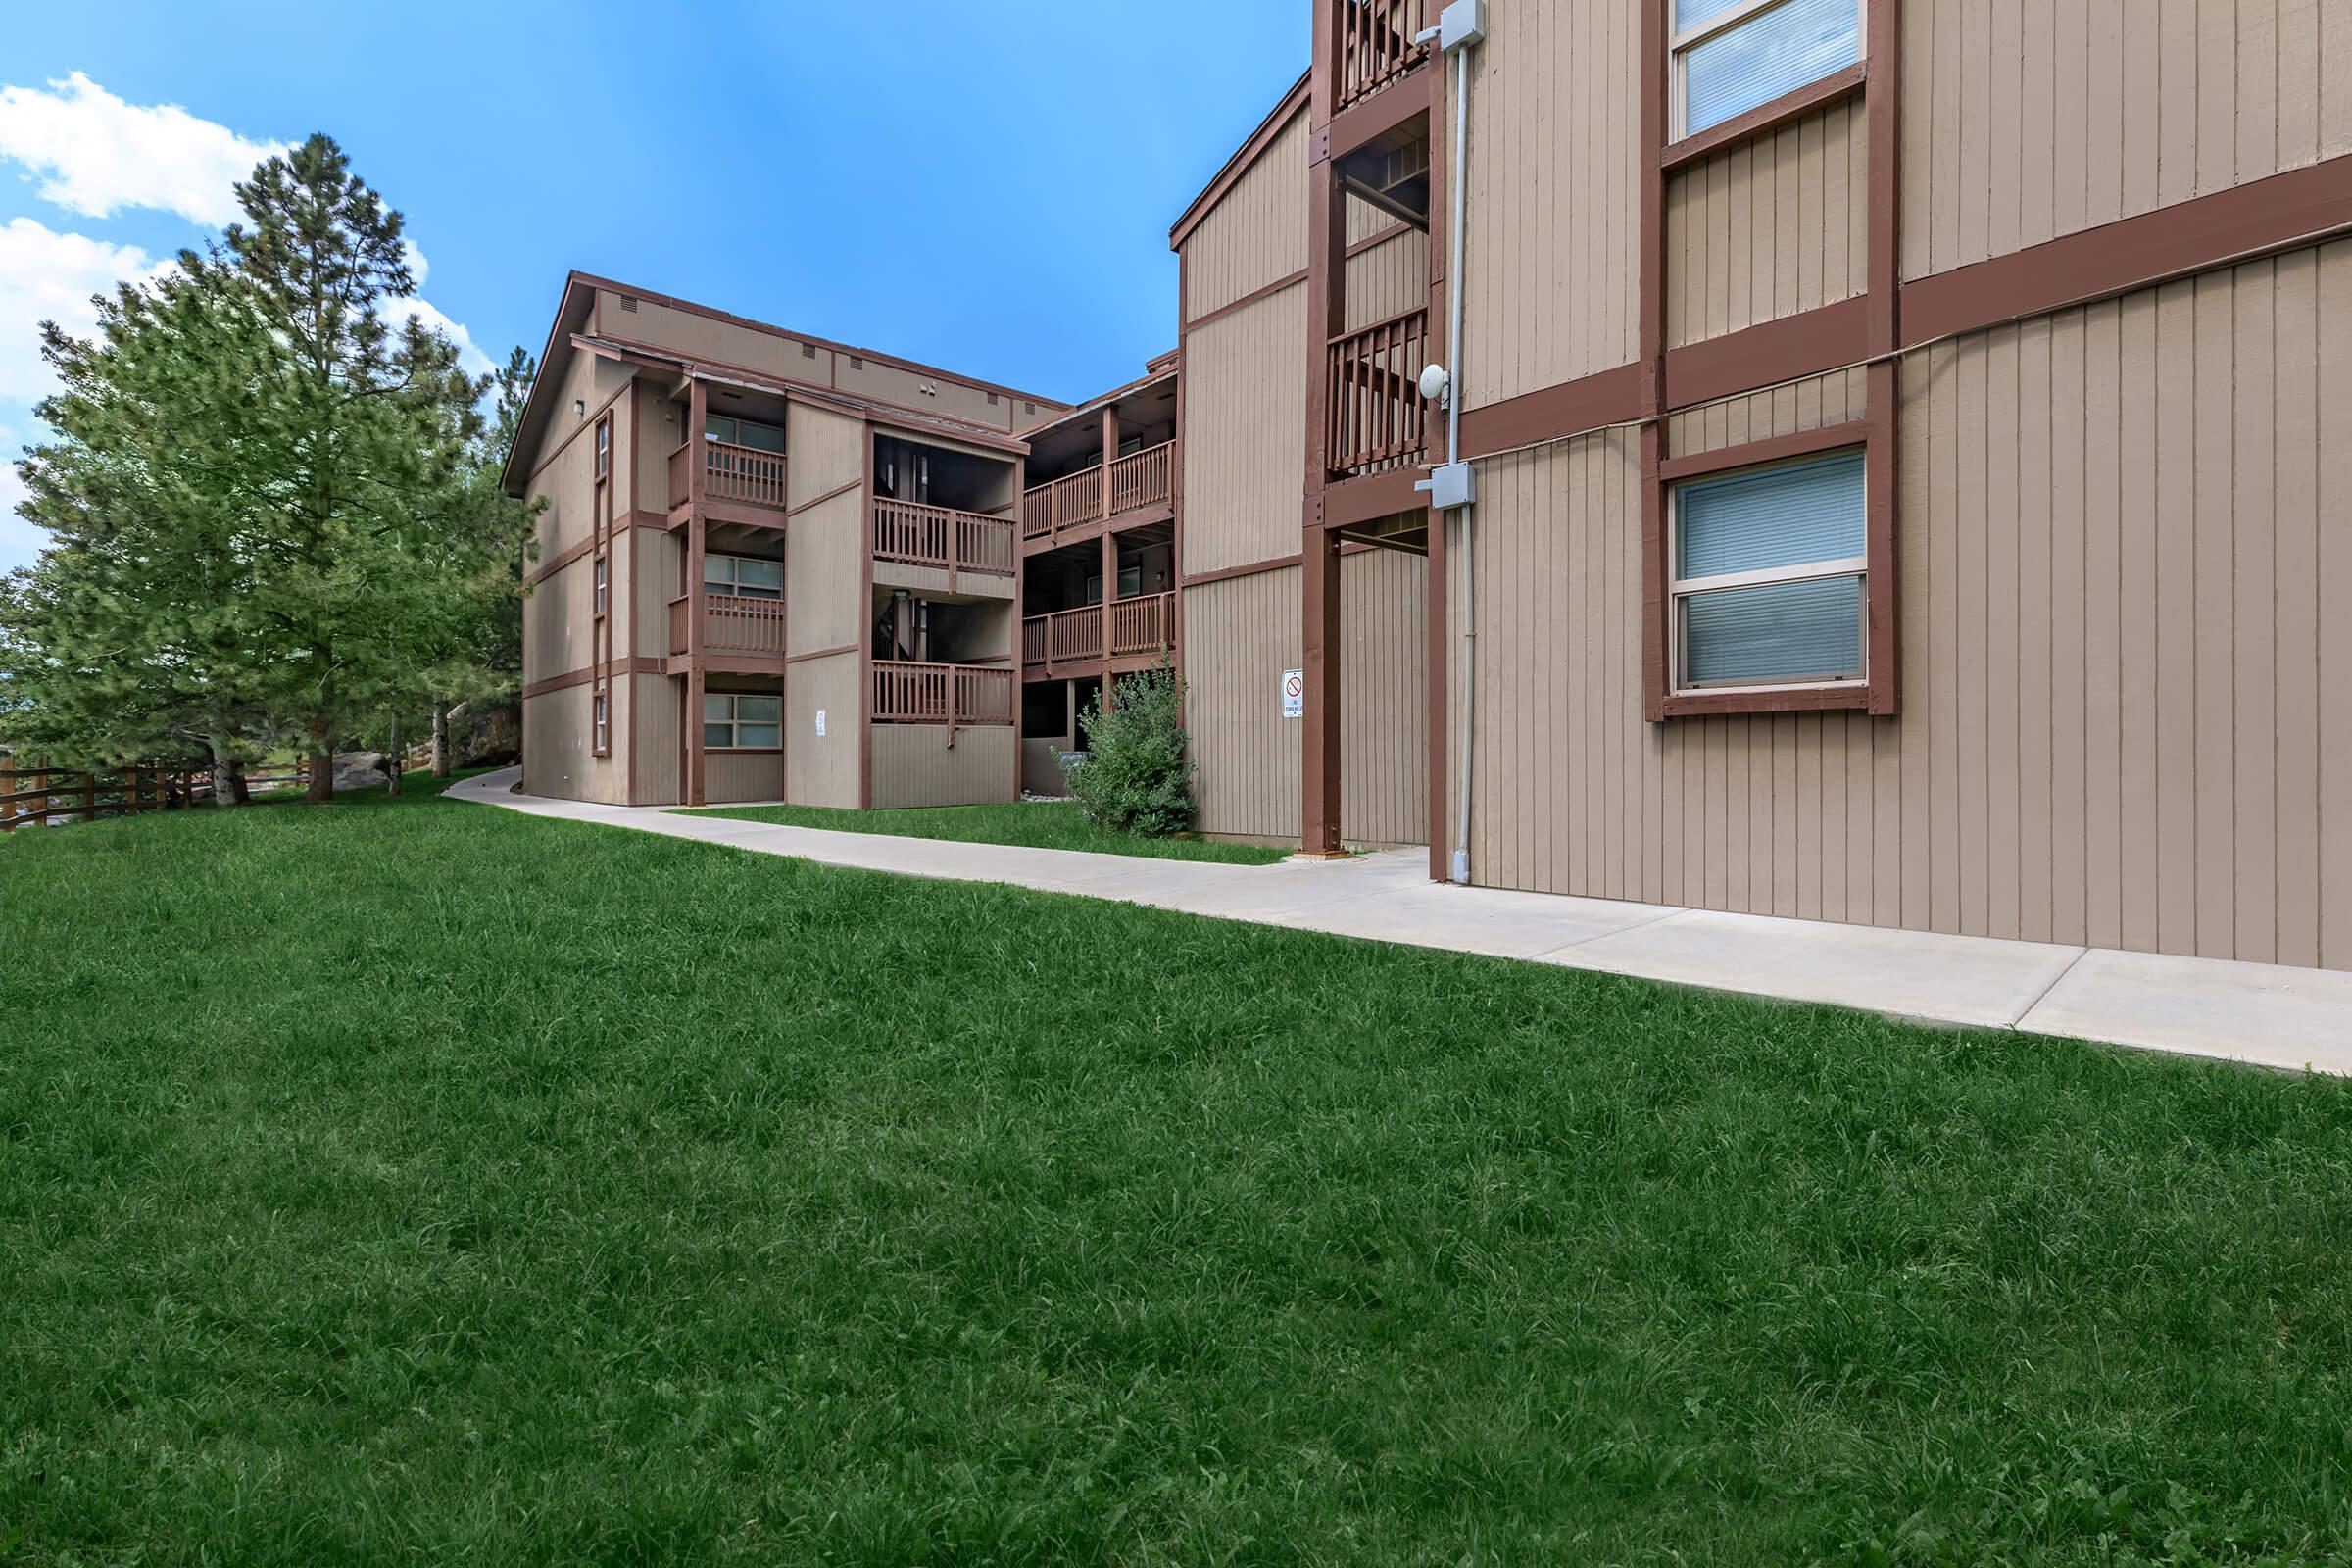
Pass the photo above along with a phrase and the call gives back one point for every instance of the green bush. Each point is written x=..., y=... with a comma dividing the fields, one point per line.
x=1134, y=777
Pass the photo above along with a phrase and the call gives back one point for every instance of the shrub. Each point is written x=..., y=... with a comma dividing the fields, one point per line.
x=1136, y=777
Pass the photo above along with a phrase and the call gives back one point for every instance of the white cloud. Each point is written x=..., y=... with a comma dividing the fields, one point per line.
x=48, y=276
x=470, y=355
x=20, y=541
x=96, y=155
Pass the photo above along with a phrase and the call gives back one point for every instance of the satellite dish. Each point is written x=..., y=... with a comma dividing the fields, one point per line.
x=1434, y=381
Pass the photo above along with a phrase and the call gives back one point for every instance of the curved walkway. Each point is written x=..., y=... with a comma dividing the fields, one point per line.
x=2259, y=1013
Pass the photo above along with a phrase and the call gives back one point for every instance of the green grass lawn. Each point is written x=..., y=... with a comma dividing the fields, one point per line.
x=419, y=1182
x=1035, y=825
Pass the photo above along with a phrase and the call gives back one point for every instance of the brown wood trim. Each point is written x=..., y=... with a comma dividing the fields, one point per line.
x=635, y=351
x=1398, y=228
x=587, y=546
x=1772, y=449
x=1809, y=343
x=1239, y=163
x=866, y=623
x=770, y=330
x=1406, y=98
x=1766, y=118
x=1201, y=579
x=820, y=653
x=2187, y=237
x=1650, y=339
x=1604, y=398
x=1655, y=571
x=1253, y=297
x=1883, y=483
x=1789, y=700
x=1885, y=266
x=834, y=493
x=585, y=675
x=1378, y=495
x=636, y=473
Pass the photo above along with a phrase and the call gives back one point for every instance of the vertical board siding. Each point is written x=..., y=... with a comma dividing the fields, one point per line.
x=1244, y=448
x=2128, y=719
x=660, y=712
x=821, y=770
x=914, y=765
x=1256, y=233
x=1243, y=633
x=1771, y=227
x=1551, y=263
x=2025, y=121
x=728, y=776
x=1389, y=277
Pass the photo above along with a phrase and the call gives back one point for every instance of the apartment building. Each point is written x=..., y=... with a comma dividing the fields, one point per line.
x=1099, y=525
x=1895, y=460
x=770, y=567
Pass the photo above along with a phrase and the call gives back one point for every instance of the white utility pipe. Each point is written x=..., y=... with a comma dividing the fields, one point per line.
x=1454, y=445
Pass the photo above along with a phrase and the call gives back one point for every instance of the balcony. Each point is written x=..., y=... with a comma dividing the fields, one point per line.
x=743, y=475
x=952, y=695
x=734, y=628
x=1377, y=414
x=1139, y=627
x=942, y=537
x=1376, y=44
x=1147, y=478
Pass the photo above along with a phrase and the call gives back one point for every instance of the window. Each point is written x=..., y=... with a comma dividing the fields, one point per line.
x=604, y=446
x=739, y=723
x=1131, y=583
x=604, y=725
x=742, y=576
x=741, y=433
x=1732, y=56
x=1771, y=575
x=604, y=583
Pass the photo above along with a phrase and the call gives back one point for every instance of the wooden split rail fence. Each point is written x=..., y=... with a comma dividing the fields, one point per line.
x=36, y=795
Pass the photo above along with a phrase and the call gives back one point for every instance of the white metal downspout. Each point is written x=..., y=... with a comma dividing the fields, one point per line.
x=1454, y=446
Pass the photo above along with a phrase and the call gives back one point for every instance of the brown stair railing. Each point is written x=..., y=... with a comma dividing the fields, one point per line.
x=943, y=537
x=941, y=694
x=1376, y=44
x=1377, y=412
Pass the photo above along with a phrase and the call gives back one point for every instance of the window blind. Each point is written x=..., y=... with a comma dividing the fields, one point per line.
x=1784, y=631
x=1772, y=517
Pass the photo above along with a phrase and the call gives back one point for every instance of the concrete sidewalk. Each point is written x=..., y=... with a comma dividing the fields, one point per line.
x=2251, y=1012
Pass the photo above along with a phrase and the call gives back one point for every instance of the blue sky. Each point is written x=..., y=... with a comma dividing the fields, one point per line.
x=985, y=186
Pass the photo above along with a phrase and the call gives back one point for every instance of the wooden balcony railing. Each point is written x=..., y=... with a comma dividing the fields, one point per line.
x=1143, y=626
x=731, y=624
x=1376, y=44
x=731, y=474
x=943, y=694
x=1144, y=479
x=1147, y=478
x=1377, y=412
x=1063, y=504
x=941, y=536
x=1138, y=627
x=1062, y=636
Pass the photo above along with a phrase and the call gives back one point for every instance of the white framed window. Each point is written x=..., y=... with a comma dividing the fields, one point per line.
x=604, y=723
x=1732, y=56
x=604, y=583
x=1772, y=577
x=742, y=576
x=604, y=446
x=742, y=723
x=742, y=432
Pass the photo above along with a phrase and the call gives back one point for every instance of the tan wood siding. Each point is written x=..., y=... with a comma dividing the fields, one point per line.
x=2125, y=721
x=825, y=546
x=742, y=776
x=1770, y=227
x=661, y=708
x=1812, y=404
x=1244, y=450
x=558, y=623
x=1551, y=267
x=1389, y=277
x=914, y=765
x=1256, y=233
x=821, y=770
x=1243, y=633
x=558, y=755
x=2023, y=122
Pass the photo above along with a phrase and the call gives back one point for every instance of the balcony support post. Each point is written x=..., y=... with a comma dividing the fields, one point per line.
x=1110, y=454
x=1110, y=590
x=1319, y=746
x=697, y=483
